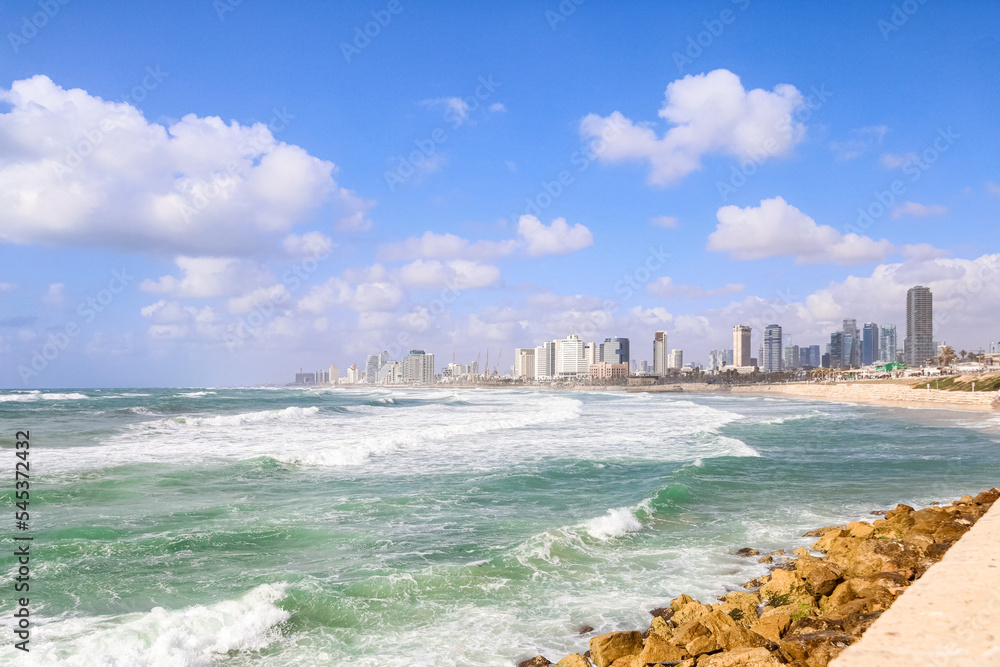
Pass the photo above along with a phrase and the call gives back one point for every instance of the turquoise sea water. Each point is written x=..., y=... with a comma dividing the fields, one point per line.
x=428, y=527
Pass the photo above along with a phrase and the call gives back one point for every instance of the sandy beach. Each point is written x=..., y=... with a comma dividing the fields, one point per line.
x=898, y=394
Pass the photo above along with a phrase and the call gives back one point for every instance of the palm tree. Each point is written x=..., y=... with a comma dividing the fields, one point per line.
x=963, y=354
x=946, y=356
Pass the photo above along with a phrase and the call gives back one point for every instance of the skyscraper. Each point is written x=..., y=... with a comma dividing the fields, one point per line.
x=371, y=369
x=570, y=358
x=615, y=351
x=660, y=353
x=869, y=344
x=851, y=353
x=676, y=359
x=741, y=345
x=919, y=344
x=837, y=350
x=887, y=343
x=772, y=361
x=815, y=357
x=524, y=363
x=545, y=360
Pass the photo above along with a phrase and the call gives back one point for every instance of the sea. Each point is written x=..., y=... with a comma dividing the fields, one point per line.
x=403, y=527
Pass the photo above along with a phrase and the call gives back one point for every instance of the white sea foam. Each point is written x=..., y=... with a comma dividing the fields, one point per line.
x=251, y=417
x=195, y=394
x=40, y=396
x=198, y=635
x=615, y=523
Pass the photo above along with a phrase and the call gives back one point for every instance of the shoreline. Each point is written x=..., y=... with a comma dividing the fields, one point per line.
x=817, y=602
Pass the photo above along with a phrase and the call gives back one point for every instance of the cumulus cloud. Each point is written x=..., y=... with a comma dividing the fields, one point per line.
x=666, y=287
x=79, y=170
x=444, y=246
x=710, y=114
x=273, y=295
x=534, y=238
x=456, y=274
x=319, y=299
x=778, y=229
x=559, y=238
x=897, y=160
x=917, y=210
x=993, y=189
x=313, y=244
x=859, y=141
x=209, y=277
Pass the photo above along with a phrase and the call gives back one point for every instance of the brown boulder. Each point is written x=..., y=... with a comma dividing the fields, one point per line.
x=857, y=624
x=747, y=551
x=658, y=649
x=772, y=625
x=741, y=607
x=607, y=648
x=988, y=497
x=824, y=542
x=860, y=529
x=575, y=660
x=741, y=657
x=688, y=610
x=815, y=649
x=820, y=577
x=537, y=661
x=662, y=612
x=899, y=510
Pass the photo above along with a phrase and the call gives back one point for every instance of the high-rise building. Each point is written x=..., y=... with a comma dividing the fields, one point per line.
x=919, y=343
x=615, y=351
x=334, y=374
x=418, y=367
x=676, y=359
x=837, y=350
x=570, y=359
x=524, y=363
x=851, y=354
x=772, y=361
x=354, y=376
x=887, y=343
x=869, y=344
x=720, y=359
x=741, y=345
x=592, y=353
x=660, y=353
x=545, y=360
x=793, y=357
x=371, y=369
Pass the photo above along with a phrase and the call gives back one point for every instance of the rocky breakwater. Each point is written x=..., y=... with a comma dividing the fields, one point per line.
x=812, y=605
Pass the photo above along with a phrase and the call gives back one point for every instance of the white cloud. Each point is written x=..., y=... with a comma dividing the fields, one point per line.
x=666, y=288
x=55, y=295
x=334, y=292
x=444, y=246
x=778, y=229
x=917, y=210
x=456, y=274
x=266, y=297
x=456, y=110
x=7, y=287
x=369, y=297
x=312, y=244
x=79, y=170
x=861, y=139
x=711, y=114
x=556, y=239
x=897, y=161
x=667, y=221
x=497, y=107
x=992, y=188
x=208, y=277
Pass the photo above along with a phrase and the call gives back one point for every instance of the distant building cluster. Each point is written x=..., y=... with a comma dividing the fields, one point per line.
x=573, y=360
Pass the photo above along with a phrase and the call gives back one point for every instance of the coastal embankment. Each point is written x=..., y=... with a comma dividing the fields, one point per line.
x=817, y=602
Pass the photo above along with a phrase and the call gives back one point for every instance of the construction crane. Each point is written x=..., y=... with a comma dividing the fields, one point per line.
x=499, y=357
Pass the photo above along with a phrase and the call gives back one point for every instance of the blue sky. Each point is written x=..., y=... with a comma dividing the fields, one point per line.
x=276, y=192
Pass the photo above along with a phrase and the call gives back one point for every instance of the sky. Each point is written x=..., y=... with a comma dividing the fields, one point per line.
x=210, y=193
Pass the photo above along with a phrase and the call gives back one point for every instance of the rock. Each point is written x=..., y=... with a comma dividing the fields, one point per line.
x=802, y=552
x=766, y=559
x=860, y=529
x=823, y=544
x=585, y=629
x=819, y=576
x=820, y=532
x=988, y=497
x=779, y=552
x=753, y=583
x=575, y=660
x=537, y=661
x=899, y=510
x=742, y=657
x=661, y=627
x=658, y=649
x=877, y=512
x=689, y=611
x=862, y=558
x=627, y=661
x=741, y=607
x=772, y=626
x=688, y=632
x=817, y=648
x=662, y=612
x=966, y=500
x=857, y=624
x=607, y=648
x=785, y=588
x=747, y=551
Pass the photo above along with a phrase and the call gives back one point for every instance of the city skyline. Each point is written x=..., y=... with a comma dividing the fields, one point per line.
x=183, y=207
